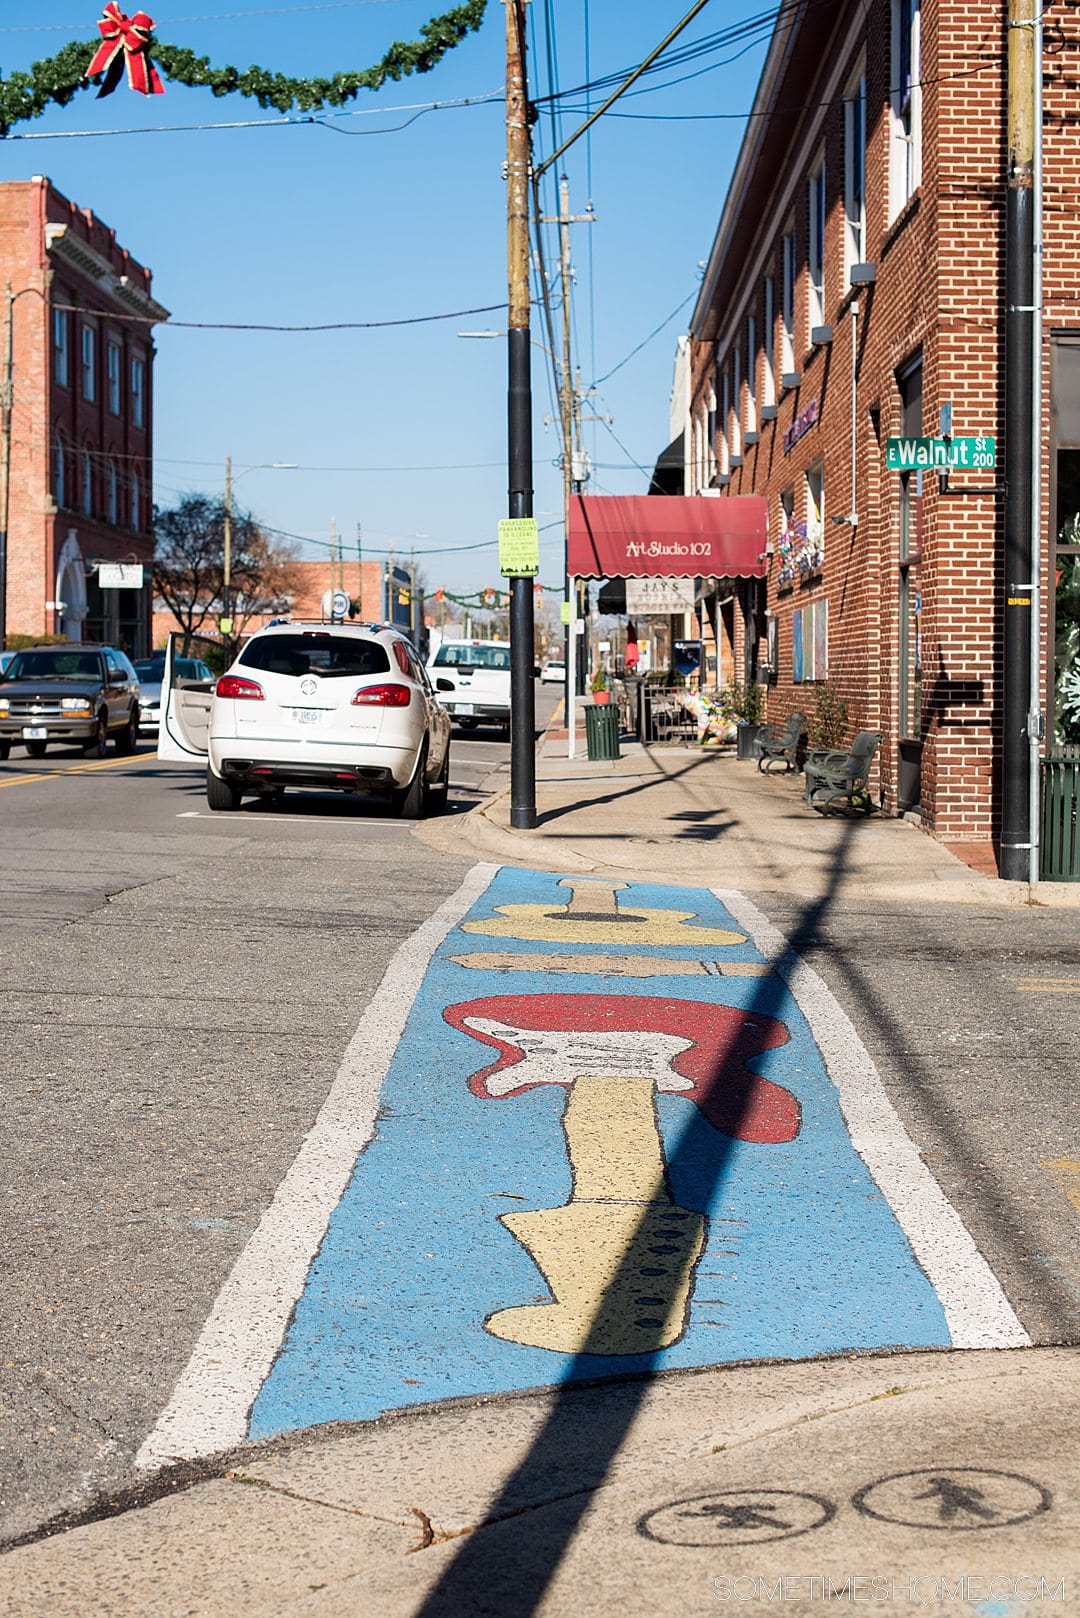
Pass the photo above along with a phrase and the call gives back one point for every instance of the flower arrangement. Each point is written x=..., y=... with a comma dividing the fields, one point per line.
x=801, y=550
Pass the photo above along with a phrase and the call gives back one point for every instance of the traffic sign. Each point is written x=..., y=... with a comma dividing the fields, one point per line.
x=944, y=454
x=335, y=603
x=519, y=547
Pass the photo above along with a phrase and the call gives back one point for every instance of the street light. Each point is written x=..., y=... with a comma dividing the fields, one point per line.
x=225, y=622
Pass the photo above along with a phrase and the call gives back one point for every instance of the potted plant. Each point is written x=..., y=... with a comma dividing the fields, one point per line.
x=747, y=705
x=600, y=692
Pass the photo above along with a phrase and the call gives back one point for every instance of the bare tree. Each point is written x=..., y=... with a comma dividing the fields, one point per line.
x=189, y=566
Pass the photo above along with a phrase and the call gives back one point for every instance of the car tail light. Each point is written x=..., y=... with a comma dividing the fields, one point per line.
x=383, y=696
x=231, y=685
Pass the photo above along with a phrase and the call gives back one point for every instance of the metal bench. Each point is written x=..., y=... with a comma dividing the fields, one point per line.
x=836, y=780
x=780, y=746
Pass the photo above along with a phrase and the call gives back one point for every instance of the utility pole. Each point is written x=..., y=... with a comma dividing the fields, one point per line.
x=1019, y=828
x=359, y=570
x=570, y=417
x=5, y=454
x=226, y=571
x=390, y=586
x=333, y=560
x=519, y=419
x=412, y=595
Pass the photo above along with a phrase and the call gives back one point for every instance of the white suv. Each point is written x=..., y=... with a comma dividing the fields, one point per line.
x=345, y=707
x=472, y=680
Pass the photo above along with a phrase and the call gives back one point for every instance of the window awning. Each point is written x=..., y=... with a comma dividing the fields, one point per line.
x=673, y=536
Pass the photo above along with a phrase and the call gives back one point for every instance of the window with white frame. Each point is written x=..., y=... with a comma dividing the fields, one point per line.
x=815, y=504
x=815, y=253
x=89, y=364
x=87, y=489
x=751, y=374
x=114, y=363
x=787, y=301
x=136, y=501
x=768, y=375
x=61, y=355
x=855, y=172
x=59, y=476
x=905, y=105
x=725, y=421
x=112, y=494
x=138, y=392
x=736, y=402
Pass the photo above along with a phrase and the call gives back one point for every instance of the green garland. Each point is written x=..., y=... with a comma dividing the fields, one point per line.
x=59, y=79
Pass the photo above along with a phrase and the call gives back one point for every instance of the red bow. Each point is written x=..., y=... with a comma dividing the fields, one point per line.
x=126, y=40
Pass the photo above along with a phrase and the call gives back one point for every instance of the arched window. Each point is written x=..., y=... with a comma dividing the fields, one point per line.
x=87, y=490
x=112, y=507
x=135, y=501
x=59, y=481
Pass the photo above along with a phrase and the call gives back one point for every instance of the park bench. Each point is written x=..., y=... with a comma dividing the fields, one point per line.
x=837, y=780
x=776, y=745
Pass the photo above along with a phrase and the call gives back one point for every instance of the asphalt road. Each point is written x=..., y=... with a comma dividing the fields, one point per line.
x=178, y=991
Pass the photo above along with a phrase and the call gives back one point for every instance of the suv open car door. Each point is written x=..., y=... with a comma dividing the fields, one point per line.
x=183, y=736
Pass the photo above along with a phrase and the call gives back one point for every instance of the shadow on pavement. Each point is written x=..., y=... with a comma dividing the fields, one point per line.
x=508, y=1580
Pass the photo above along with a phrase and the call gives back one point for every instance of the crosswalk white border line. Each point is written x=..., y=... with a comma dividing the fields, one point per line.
x=977, y=1311
x=209, y=1408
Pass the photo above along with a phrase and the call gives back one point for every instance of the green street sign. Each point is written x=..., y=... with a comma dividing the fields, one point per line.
x=519, y=547
x=941, y=454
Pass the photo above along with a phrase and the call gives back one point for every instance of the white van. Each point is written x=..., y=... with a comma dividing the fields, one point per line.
x=472, y=681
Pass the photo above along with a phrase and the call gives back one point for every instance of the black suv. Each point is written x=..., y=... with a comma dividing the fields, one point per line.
x=72, y=693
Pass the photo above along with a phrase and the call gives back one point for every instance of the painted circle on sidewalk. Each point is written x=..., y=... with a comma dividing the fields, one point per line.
x=736, y=1517
x=953, y=1498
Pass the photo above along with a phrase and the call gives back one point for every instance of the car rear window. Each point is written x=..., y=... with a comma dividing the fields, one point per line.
x=54, y=666
x=472, y=657
x=325, y=655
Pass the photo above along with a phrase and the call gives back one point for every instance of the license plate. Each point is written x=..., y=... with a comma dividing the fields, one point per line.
x=34, y=733
x=464, y=707
x=309, y=716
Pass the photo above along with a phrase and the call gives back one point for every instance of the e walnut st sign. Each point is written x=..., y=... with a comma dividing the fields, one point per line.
x=941, y=454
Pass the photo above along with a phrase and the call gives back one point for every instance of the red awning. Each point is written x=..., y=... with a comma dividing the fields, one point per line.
x=620, y=536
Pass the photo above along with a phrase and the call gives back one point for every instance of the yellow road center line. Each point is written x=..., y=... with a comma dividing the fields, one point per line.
x=72, y=769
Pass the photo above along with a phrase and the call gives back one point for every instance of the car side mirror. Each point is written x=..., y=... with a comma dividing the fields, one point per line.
x=117, y=677
x=536, y=671
x=444, y=685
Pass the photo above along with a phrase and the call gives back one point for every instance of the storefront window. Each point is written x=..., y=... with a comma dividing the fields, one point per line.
x=1066, y=716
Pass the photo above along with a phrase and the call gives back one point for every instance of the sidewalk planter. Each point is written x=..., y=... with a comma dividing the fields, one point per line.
x=601, y=697
x=1059, y=844
x=601, y=731
x=908, y=775
x=747, y=741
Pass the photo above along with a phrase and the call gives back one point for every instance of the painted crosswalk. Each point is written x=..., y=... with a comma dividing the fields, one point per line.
x=584, y=1129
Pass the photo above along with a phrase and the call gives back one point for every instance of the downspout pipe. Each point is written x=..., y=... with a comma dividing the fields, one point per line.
x=1016, y=824
x=1036, y=726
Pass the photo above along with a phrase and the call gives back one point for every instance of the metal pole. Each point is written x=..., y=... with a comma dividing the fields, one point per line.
x=519, y=421
x=226, y=573
x=1016, y=827
x=1035, y=722
x=5, y=455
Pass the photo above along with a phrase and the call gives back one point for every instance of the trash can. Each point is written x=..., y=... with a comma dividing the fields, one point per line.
x=602, y=730
x=1059, y=845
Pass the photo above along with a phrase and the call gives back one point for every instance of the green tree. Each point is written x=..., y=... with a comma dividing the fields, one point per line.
x=189, y=561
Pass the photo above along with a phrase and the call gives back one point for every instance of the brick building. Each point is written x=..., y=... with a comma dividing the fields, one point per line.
x=81, y=426
x=853, y=291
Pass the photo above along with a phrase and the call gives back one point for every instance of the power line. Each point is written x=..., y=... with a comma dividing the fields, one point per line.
x=293, y=121
x=645, y=340
x=333, y=325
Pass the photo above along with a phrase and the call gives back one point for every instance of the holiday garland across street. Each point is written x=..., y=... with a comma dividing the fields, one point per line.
x=128, y=43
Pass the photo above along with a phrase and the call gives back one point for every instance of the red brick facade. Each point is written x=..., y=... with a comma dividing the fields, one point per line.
x=81, y=419
x=919, y=571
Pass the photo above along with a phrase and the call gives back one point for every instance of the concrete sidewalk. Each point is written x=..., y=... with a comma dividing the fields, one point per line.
x=685, y=814
x=641, y=1500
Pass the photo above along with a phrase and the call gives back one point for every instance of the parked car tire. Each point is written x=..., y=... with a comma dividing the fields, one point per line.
x=36, y=749
x=5, y=750
x=438, y=790
x=409, y=802
x=98, y=743
x=221, y=794
x=128, y=739
x=468, y=724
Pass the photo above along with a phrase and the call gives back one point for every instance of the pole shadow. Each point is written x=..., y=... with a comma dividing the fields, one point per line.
x=489, y=1577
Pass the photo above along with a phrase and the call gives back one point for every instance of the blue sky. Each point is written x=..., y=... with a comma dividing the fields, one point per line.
x=305, y=224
